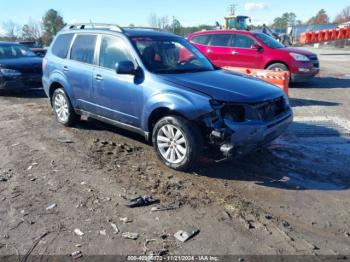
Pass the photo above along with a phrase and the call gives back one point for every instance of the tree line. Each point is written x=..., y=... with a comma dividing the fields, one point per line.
x=41, y=32
x=44, y=30
x=290, y=19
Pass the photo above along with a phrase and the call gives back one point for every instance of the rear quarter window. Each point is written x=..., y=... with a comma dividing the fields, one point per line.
x=201, y=39
x=61, y=45
x=83, y=49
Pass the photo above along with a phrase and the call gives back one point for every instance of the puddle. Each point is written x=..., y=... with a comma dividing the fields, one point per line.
x=299, y=181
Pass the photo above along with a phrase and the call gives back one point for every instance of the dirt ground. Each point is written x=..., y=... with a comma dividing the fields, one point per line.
x=291, y=198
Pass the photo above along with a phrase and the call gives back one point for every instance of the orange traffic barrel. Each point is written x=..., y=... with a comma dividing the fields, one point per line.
x=308, y=37
x=313, y=37
x=328, y=35
x=322, y=36
x=277, y=78
x=317, y=37
x=334, y=34
x=342, y=33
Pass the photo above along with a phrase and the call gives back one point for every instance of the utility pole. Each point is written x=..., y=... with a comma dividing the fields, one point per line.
x=232, y=9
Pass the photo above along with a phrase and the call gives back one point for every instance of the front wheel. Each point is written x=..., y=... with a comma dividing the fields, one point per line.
x=62, y=108
x=177, y=142
x=277, y=67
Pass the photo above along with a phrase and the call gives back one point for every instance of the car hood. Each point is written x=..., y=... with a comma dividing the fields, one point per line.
x=298, y=51
x=226, y=86
x=23, y=64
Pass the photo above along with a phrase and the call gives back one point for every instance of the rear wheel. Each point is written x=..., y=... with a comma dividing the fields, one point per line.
x=62, y=107
x=177, y=142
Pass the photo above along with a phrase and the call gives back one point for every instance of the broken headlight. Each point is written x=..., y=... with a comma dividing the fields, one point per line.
x=240, y=113
x=234, y=113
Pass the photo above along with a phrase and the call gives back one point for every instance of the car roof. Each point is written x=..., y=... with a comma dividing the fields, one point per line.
x=7, y=43
x=221, y=31
x=127, y=31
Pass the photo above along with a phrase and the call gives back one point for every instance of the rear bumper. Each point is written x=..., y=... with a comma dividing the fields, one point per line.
x=20, y=82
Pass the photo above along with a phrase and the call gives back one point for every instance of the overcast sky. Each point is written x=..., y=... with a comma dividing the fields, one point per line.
x=188, y=12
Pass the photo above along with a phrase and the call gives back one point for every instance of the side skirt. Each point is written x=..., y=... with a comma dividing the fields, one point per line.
x=114, y=123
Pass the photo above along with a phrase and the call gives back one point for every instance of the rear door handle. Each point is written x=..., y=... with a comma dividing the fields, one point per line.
x=98, y=77
x=65, y=68
x=209, y=51
x=234, y=52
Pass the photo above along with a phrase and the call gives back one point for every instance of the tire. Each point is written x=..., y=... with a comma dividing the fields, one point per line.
x=179, y=151
x=62, y=108
x=278, y=67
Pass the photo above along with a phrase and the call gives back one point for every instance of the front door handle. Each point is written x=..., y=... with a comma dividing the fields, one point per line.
x=65, y=68
x=234, y=52
x=209, y=51
x=98, y=77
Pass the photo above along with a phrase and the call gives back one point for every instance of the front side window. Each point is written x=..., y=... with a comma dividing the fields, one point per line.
x=243, y=41
x=170, y=55
x=61, y=46
x=113, y=50
x=221, y=40
x=269, y=41
x=83, y=48
x=14, y=51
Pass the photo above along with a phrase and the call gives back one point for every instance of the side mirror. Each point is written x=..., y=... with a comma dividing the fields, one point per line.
x=125, y=68
x=257, y=47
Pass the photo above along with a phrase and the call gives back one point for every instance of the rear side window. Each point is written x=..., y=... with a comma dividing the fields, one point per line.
x=83, y=48
x=243, y=41
x=113, y=50
x=201, y=39
x=221, y=40
x=61, y=46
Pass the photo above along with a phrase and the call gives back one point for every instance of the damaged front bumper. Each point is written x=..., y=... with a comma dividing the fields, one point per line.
x=249, y=136
x=236, y=138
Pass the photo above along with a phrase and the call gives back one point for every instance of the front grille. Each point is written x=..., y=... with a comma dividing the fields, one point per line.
x=314, y=60
x=271, y=109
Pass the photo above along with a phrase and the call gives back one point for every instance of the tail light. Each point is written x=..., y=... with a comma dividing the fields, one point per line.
x=44, y=63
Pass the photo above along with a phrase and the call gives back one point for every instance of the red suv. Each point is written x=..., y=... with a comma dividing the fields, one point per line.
x=255, y=50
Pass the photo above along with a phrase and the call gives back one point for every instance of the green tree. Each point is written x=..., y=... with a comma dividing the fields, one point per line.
x=176, y=26
x=52, y=24
x=285, y=20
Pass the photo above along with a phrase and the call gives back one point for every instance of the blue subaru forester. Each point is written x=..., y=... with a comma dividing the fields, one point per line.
x=157, y=84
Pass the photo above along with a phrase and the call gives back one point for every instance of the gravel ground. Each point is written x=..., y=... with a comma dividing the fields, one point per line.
x=291, y=198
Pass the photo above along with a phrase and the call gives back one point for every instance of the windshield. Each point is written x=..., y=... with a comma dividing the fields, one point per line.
x=172, y=55
x=14, y=51
x=269, y=41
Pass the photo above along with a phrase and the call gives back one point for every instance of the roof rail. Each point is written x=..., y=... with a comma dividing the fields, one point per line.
x=81, y=26
x=143, y=27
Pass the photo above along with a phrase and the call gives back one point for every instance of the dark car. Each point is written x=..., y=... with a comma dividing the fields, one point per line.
x=20, y=68
x=157, y=84
x=37, y=48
